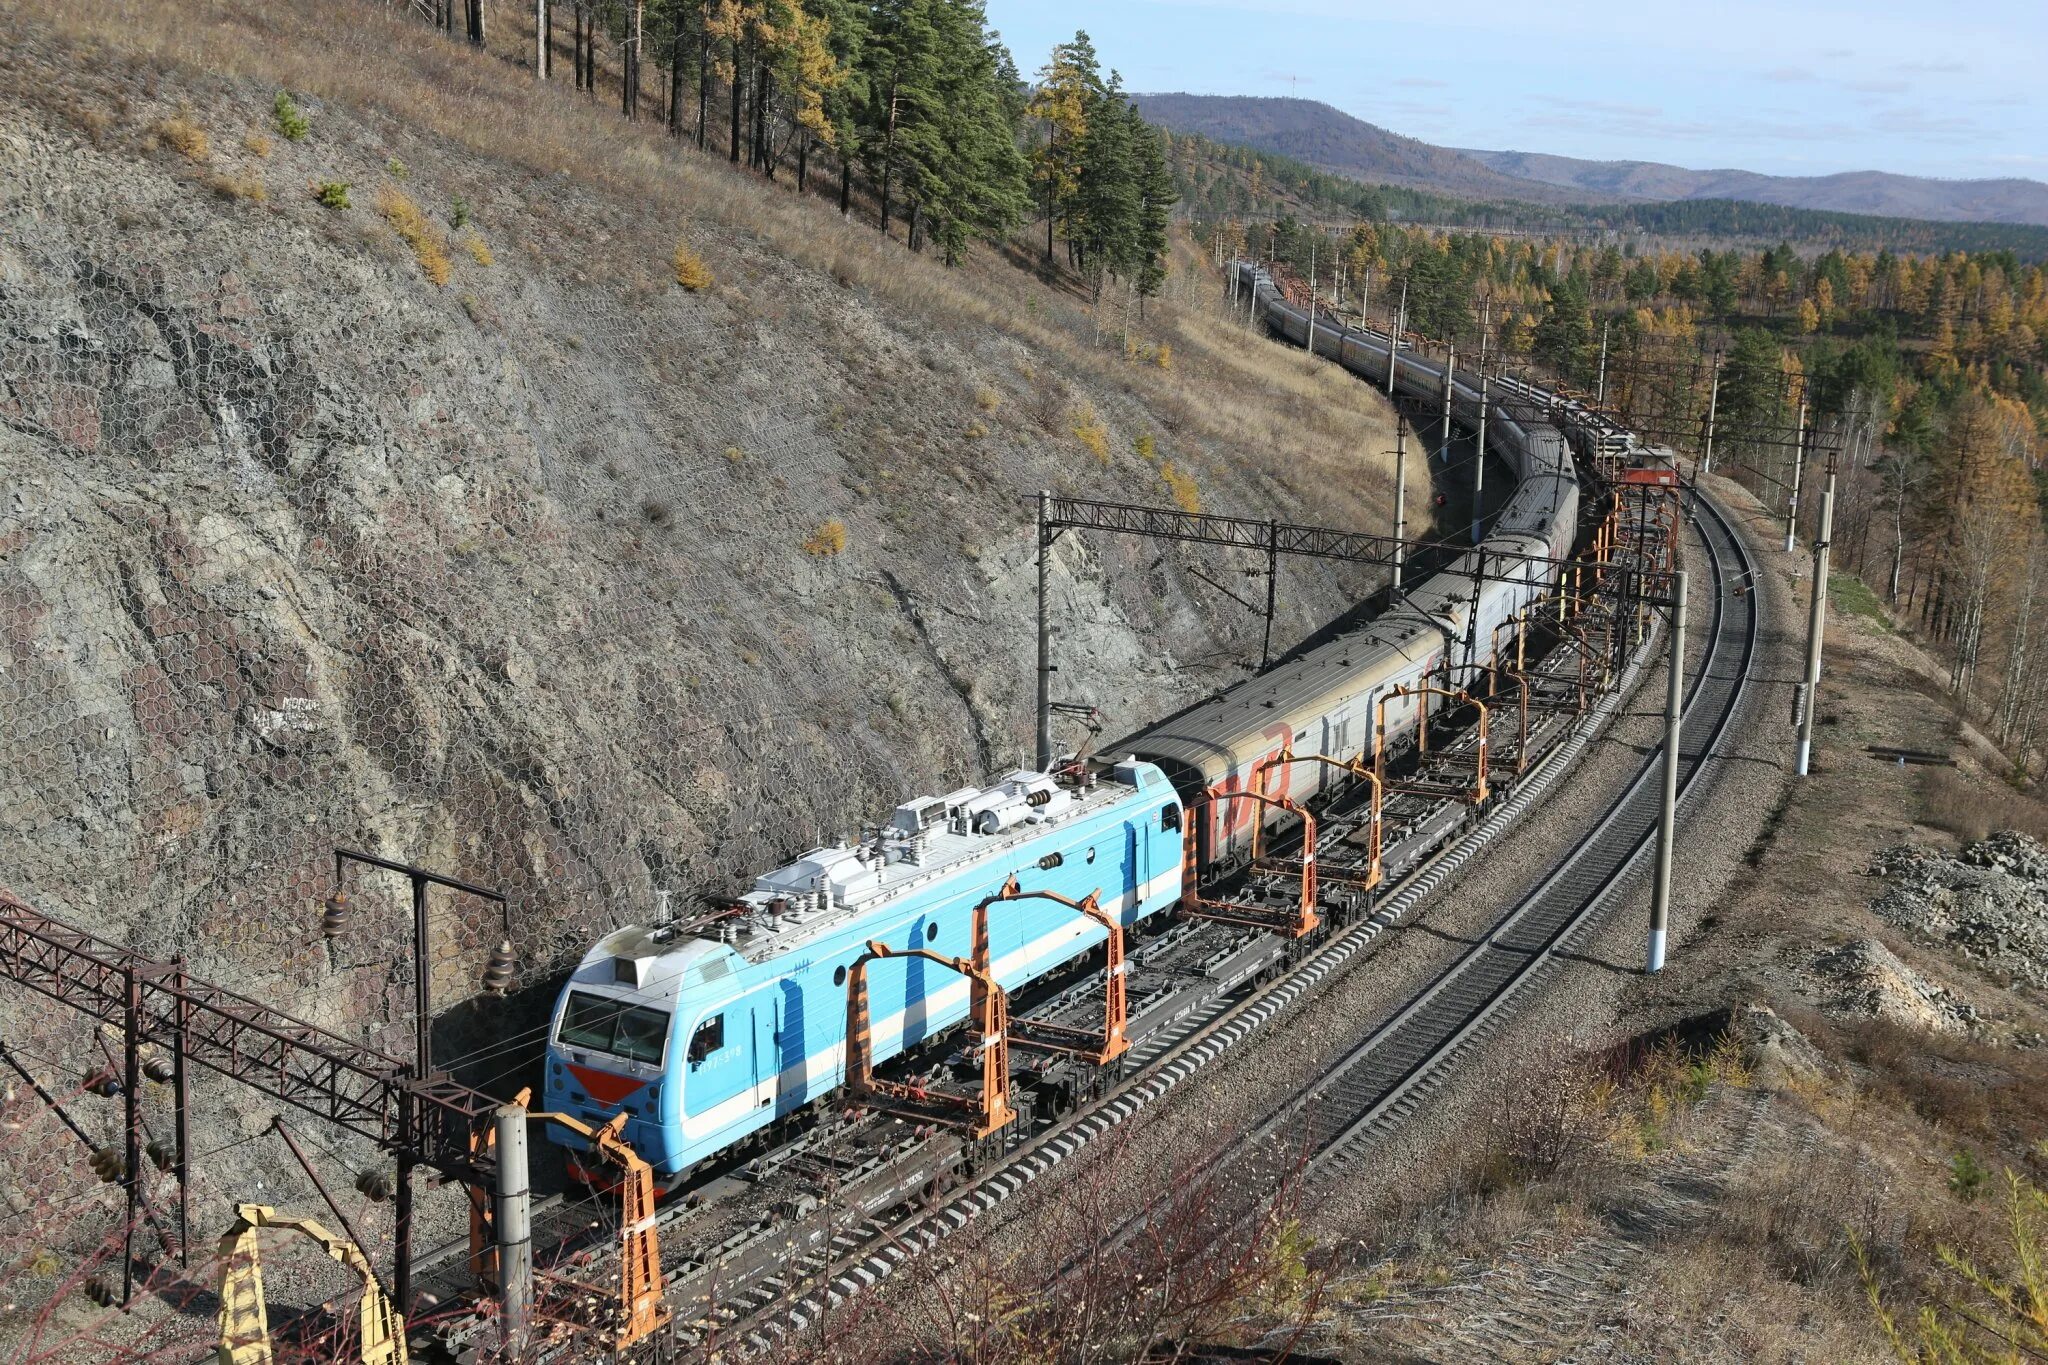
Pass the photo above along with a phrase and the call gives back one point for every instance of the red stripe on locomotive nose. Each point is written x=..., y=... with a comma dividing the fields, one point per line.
x=604, y=1086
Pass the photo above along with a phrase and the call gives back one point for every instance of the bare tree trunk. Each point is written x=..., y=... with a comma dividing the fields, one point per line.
x=543, y=36
x=703, y=76
x=739, y=90
x=845, y=184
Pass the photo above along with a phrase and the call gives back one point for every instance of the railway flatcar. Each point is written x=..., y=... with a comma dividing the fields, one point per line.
x=705, y=1037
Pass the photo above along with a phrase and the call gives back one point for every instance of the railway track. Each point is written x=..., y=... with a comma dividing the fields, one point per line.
x=1376, y=1084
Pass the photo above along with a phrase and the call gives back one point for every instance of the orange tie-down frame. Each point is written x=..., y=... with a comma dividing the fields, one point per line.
x=975, y=1115
x=1364, y=879
x=1099, y=1048
x=642, y=1310
x=1297, y=923
x=1476, y=792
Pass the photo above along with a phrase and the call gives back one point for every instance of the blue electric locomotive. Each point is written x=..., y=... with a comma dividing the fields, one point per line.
x=703, y=1040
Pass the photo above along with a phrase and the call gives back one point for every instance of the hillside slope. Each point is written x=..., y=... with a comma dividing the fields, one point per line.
x=558, y=577
x=1874, y=192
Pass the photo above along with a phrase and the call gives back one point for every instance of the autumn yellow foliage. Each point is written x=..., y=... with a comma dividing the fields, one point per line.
x=691, y=272
x=828, y=540
x=186, y=136
x=1090, y=432
x=429, y=244
x=1186, y=495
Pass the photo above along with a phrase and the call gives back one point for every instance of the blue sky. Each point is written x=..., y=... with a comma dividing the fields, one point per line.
x=1938, y=87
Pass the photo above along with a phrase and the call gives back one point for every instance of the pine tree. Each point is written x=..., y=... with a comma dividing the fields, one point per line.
x=1155, y=205
x=1069, y=85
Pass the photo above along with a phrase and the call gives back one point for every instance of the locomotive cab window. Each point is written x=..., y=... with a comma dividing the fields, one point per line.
x=1169, y=817
x=709, y=1037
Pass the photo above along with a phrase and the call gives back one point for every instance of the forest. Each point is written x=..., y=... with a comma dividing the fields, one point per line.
x=1919, y=381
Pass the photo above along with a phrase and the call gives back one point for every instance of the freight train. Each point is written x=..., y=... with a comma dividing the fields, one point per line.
x=705, y=1036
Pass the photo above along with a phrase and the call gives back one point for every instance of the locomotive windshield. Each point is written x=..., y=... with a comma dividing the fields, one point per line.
x=606, y=1024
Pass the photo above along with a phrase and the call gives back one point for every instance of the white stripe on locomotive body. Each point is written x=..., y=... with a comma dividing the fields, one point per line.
x=1325, y=699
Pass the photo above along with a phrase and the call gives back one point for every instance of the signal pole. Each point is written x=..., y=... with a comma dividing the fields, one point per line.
x=513, y=1221
x=1450, y=373
x=1798, y=471
x=1394, y=341
x=1479, y=468
x=1044, y=639
x=1400, y=497
x=1713, y=401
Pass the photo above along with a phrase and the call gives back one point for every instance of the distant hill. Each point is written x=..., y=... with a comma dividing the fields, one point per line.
x=1878, y=192
x=1334, y=141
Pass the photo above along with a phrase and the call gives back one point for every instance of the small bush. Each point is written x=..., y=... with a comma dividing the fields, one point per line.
x=1163, y=357
x=479, y=250
x=332, y=193
x=236, y=186
x=186, y=136
x=429, y=246
x=1966, y=1176
x=1181, y=484
x=734, y=455
x=291, y=120
x=1146, y=446
x=691, y=272
x=257, y=145
x=987, y=399
x=976, y=430
x=397, y=169
x=1092, y=435
x=828, y=540
x=458, y=214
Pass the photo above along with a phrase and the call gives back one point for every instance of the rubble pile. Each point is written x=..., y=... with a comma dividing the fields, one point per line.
x=1988, y=901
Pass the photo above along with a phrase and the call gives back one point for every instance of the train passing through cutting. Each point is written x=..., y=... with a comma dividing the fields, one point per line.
x=705, y=1035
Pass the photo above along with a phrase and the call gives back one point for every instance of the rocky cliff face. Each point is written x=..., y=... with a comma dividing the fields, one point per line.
x=558, y=577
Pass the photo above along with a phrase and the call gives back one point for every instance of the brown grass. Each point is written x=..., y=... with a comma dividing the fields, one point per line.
x=479, y=250
x=690, y=271
x=185, y=135
x=828, y=540
x=257, y=145
x=429, y=244
x=238, y=185
x=1971, y=808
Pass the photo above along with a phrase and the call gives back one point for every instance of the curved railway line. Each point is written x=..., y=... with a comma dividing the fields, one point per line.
x=770, y=1243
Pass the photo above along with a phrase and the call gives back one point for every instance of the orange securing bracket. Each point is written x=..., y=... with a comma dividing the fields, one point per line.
x=1101, y=1047
x=975, y=1115
x=643, y=1310
x=1303, y=920
x=1364, y=878
x=1473, y=794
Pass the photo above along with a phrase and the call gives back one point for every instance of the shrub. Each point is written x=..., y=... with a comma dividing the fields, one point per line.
x=257, y=145
x=236, y=186
x=828, y=540
x=458, y=214
x=1163, y=357
x=429, y=246
x=987, y=399
x=976, y=430
x=479, y=250
x=691, y=272
x=1146, y=446
x=1182, y=485
x=291, y=120
x=186, y=136
x=332, y=193
x=734, y=455
x=1090, y=432
x=397, y=169
x=1966, y=1176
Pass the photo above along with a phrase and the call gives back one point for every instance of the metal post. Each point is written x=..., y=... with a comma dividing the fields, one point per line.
x=131, y=1113
x=423, y=1008
x=1485, y=326
x=513, y=1221
x=1816, y=625
x=181, y=1100
x=1044, y=638
x=401, y=1222
x=1798, y=471
x=1667, y=821
x=540, y=39
x=1479, y=469
x=1272, y=584
x=1600, y=392
x=1713, y=401
x=1400, y=496
x=1450, y=373
x=1394, y=340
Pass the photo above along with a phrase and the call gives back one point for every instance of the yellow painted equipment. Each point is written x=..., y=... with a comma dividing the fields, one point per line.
x=244, y=1320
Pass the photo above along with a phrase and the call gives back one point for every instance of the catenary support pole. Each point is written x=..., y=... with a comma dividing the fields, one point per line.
x=1600, y=390
x=1816, y=626
x=1394, y=339
x=1400, y=496
x=1667, y=820
x=1479, y=469
x=401, y=1225
x=513, y=1220
x=1044, y=638
x=131, y=1113
x=1450, y=377
x=1713, y=401
x=181, y=1113
x=540, y=39
x=1798, y=473
x=1272, y=586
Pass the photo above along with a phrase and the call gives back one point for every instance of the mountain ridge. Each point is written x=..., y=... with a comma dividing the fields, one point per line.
x=1332, y=140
